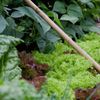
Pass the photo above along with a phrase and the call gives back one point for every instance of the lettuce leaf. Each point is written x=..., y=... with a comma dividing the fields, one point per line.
x=65, y=63
x=9, y=60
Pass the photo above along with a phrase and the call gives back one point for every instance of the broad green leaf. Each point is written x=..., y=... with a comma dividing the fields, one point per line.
x=85, y=1
x=32, y=14
x=39, y=28
x=41, y=44
x=91, y=5
x=88, y=22
x=3, y=23
x=12, y=29
x=51, y=36
x=91, y=28
x=78, y=29
x=94, y=29
x=71, y=32
x=19, y=90
x=72, y=19
x=11, y=22
x=17, y=14
x=9, y=60
x=59, y=7
x=46, y=44
x=89, y=25
x=74, y=10
x=13, y=32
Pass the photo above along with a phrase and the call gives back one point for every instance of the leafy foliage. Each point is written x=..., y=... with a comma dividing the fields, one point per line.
x=75, y=17
x=44, y=41
x=8, y=58
x=18, y=90
x=3, y=4
x=11, y=84
x=28, y=32
x=68, y=65
x=32, y=14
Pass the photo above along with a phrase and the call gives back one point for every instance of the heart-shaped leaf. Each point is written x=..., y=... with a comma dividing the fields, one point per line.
x=74, y=10
x=72, y=19
x=59, y=7
x=33, y=15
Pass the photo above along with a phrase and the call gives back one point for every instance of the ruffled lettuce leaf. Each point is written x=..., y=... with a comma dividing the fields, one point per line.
x=65, y=63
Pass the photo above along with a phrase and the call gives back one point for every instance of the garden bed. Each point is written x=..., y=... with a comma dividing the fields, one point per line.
x=36, y=63
x=62, y=74
x=69, y=69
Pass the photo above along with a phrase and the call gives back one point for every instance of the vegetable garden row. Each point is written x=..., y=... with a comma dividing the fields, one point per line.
x=36, y=63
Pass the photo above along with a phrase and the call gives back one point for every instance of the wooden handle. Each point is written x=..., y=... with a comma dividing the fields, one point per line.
x=63, y=34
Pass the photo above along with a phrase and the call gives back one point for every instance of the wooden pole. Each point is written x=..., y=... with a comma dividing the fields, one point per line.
x=63, y=34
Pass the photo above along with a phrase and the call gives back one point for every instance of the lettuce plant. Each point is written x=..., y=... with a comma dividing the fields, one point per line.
x=65, y=66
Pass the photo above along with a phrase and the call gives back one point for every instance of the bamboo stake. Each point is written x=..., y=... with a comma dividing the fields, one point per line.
x=63, y=34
